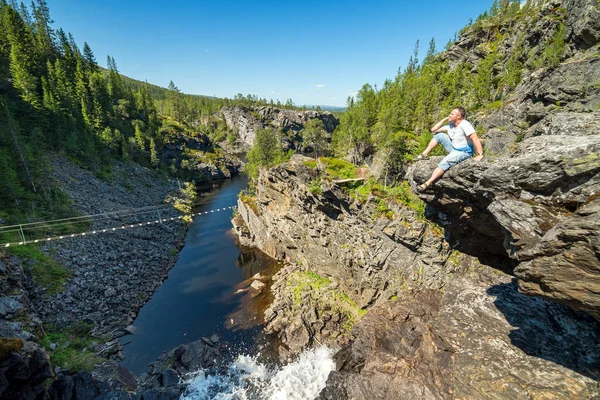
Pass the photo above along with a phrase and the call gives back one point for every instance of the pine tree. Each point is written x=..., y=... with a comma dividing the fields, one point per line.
x=100, y=100
x=22, y=62
x=153, y=155
x=82, y=93
x=313, y=134
x=44, y=35
x=4, y=46
x=89, y=60
x=175, y=98
x=116, y=88
x=430, y=52
x=139, y=137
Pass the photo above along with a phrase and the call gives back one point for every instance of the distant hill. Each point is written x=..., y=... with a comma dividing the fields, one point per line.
x=160, y=93
x=156, y=92
x=328, y=108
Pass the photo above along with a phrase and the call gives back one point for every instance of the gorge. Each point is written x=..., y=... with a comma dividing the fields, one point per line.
x=484, y=286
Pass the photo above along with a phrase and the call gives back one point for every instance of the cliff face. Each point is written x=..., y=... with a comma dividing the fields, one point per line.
x=341, y=240
x=439, y=323
x=247, y=121
x=448, y=311
x=539, y=206
x=534, y=198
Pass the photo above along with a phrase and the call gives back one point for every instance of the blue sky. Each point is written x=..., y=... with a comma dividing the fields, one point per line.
x=312, y=52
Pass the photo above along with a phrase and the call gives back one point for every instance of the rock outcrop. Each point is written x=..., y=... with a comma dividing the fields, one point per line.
x=448, y=313
x=369, y=258
x=17, y=319
x=439, y=323
x=23, y=369
x=478, y=339
x=539, y=206
x=198, y=157
x=245, y=122
x=534, y=198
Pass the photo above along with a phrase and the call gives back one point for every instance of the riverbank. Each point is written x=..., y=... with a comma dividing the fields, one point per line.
x=88, y=289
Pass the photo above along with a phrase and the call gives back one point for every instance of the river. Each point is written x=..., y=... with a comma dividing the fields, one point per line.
x=197, y=299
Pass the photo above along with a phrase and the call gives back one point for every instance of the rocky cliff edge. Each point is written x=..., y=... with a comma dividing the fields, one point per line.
x=433, y=322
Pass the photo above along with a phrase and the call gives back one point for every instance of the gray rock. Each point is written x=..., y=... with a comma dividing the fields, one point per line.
x=257, y=285
x=130, y=329
x=116, y=376
x=24, y=370
x=170, y=367
x=584, y=18
x=10, y=329
x=523, y=203
x=563, y=266
x=170, y=378
x=9, y=305
x=471, y=341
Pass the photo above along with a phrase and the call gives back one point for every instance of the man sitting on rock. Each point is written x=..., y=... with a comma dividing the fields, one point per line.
x=458, y=138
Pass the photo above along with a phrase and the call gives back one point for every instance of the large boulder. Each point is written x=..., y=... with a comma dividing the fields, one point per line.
x=538, y=204
x=23, y=369
x=478, y=339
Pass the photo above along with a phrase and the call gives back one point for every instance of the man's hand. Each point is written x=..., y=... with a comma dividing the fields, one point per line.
x=437, y=126
x=479, y=158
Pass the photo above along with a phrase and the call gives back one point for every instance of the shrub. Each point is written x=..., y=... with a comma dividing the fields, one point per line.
x=338, y=168
x=74, y=347
x=315, y=187
x=554, y=52
x=45, y=271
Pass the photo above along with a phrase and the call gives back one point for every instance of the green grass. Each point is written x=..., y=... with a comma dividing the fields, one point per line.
x=300, y=283
x=401, y=193
x=495, y=105
x=44, y=270
x=310, y=164
x=315, y=187
x=73, y=347
x=338, y=168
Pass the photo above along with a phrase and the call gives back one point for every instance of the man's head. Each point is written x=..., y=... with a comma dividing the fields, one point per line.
x=457, y=115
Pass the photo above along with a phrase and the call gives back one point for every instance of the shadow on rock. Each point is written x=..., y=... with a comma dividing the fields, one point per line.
x=550, y=331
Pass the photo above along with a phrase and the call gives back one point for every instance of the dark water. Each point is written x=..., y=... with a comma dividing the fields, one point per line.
x=198, y=297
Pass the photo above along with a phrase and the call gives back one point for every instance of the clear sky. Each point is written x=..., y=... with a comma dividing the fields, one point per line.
x=314, y=52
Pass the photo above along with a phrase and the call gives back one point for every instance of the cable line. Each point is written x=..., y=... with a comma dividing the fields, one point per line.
x=110, y=229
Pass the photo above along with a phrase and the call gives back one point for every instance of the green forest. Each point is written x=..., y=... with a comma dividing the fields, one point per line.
x=55, y=98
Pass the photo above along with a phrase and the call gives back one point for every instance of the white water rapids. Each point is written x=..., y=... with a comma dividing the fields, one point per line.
x=246, y=379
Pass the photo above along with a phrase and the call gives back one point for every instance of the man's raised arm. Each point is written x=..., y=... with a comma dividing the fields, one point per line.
x=437, y=126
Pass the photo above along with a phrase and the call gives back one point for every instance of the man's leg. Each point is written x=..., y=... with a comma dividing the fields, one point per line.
x=437, y=174
x=453, y=158
x=440, y=138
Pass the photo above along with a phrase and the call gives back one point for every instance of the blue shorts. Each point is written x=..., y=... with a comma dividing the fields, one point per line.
x=454, y=156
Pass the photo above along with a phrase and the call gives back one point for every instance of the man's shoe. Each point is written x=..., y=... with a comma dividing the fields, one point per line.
x=421, y=157
x=423, y=186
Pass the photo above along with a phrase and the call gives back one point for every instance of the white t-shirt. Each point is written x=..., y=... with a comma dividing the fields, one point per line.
x=459, y=134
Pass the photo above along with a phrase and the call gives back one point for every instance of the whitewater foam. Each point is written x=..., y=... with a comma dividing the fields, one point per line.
x=247, y=379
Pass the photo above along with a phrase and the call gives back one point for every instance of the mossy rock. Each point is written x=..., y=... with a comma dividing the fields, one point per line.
x=8, y=346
